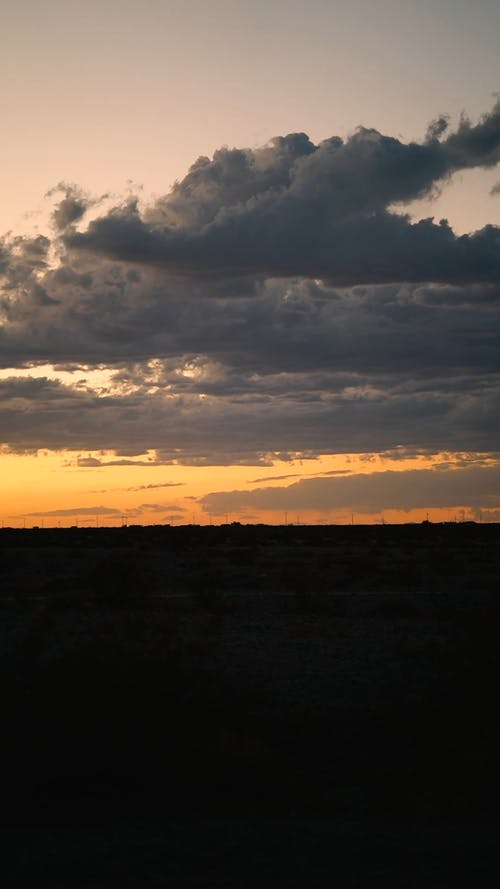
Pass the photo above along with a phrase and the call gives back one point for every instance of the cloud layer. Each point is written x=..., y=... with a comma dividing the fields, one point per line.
x=476, y=486
x=295, y=208
x=273, y=303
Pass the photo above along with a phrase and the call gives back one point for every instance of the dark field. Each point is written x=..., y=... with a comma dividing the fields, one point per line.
x=246, y=706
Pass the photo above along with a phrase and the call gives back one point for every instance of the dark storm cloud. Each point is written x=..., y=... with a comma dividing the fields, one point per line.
x=437, y=127
x=254, y=428
x=215, y=358
x=300, y=367
x=333, y=358
x=294, y=208
x=404, y=490
x=21, y=261
x=475, y=146
x=286, y=326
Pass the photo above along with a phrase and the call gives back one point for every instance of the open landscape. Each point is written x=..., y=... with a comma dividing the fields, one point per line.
x=243, y=705
x=249, y=444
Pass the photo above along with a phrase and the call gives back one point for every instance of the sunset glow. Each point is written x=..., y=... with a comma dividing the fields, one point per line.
x=64, y=489
x=236, y=288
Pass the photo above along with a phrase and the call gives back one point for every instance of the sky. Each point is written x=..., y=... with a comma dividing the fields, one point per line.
x=249, y=261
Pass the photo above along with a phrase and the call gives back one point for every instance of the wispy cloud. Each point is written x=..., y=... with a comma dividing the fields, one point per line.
x=73, y=511
x=273, y=478
x=137, y=488
x=161, y=485
x=97, y=463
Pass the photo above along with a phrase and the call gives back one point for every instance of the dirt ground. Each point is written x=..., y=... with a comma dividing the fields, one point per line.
x=249, y=707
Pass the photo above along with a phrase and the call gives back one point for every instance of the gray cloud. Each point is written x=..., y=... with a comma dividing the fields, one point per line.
x=96, y=463
x=70, y=208
x=437, y=127
x=404, y=490
x=299, y=368
x=284, y=326
x=294, y=208
x=217, y=359
x=253, y=427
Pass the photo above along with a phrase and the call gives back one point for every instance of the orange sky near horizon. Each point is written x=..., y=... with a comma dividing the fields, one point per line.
x=215, y=245
x=51, y=490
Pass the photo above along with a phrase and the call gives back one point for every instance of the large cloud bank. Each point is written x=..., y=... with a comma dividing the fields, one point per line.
x=294, y=208
x=477, y=486
x=274, y=302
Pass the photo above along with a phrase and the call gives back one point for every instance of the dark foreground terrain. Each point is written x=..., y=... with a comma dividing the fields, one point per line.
x=245, y=706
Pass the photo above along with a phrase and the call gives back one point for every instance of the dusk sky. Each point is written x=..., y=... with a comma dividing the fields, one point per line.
x=250, y=267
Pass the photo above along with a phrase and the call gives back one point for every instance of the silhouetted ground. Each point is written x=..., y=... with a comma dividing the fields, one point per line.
x=250, y=705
